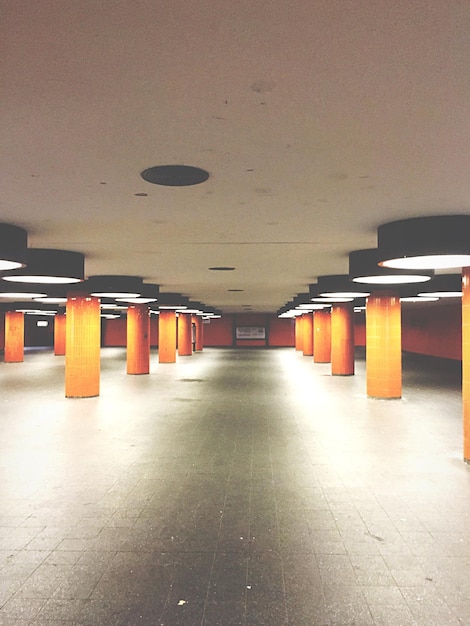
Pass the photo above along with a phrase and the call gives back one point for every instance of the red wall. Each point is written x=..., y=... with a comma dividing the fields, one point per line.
x=114, y=332
x=434, y=330
x=218, y=332
x=359, y=329
x=281, y=332
x=221, y=332
x=2, y=330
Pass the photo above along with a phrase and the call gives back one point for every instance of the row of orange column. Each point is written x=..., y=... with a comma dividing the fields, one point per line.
x=77, y=335
x=329, y=338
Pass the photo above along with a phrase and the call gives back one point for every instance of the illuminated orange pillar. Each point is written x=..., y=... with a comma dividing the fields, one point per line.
x=59, y=334
x=14, y=337
x=82, y=346
x=322, y=336
x=299, y=339
x=197, y=319
x=185, y=346
x=307, y=332
x=138, y=339
x=342, y=340
x=466, y=362
x=383, y=345
x=167, y=336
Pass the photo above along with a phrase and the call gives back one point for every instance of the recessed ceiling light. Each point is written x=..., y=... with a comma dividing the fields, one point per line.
x=235, y=290
x=222, y=268
x=175, y=175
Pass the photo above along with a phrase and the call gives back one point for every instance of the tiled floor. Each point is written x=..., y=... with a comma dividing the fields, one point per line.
x=235, y=487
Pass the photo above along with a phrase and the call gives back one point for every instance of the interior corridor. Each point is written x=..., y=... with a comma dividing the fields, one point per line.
x=234, y=487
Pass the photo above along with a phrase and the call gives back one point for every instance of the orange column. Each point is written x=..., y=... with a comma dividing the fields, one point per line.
x=185, y=346
x=466, y=362
x=138, y=339
x=299, y=339
x=199, y=333
x=342, y=340
x=322, y=336
x=82, y=346
x=14, y=337
x=59, y=334
x=383, y=345
x=167, y=336
x=307, y=332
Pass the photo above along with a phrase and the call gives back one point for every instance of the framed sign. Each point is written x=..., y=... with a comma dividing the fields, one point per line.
x=251, y=332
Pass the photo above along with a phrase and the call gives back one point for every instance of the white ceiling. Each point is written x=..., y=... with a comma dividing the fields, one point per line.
x=317, y=120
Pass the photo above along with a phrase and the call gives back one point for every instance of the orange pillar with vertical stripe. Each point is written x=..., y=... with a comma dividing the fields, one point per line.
x=466, y=362
x=138, y=339
x=299, y=339
x=167, y=336
x=342, y=340
x=14, y=337
x=59, y=334
x=322, y=336
x=199, y=333
x=383, y=345
x=307, y=331
x=185, y=344
x=82, y=346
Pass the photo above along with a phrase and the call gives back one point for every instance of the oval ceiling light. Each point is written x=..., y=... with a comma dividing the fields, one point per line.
x=222, y=268
x=334, y=299
x=443, y=286
x=115, y=286
x=175, y=175
x=364, y=269
x=436, y=242
x=148, y=293
x=172, y=301
x=13, y=246
x=339, y=286
x=49, y=266
x=417, y=299
x=20, y=291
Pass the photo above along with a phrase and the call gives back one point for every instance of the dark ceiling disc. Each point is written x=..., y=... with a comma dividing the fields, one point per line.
x=175, y=175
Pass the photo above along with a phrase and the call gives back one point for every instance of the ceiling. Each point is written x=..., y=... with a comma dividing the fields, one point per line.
x=317, y=121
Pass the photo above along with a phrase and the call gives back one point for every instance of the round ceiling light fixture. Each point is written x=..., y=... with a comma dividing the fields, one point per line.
x=172, y=301
x=115, y=286
x=148, y=293
x=175, y=175
x=20, y=292
x=443, y=286
x=13, y=246
x=364, y=269
x=435, y=242
x=47, y=266
x=339, y=286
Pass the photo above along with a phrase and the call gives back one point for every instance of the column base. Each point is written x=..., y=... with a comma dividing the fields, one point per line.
x=385, y=397
x=83, y=397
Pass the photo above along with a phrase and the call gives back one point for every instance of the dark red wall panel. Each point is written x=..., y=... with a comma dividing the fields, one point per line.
x=434, y=330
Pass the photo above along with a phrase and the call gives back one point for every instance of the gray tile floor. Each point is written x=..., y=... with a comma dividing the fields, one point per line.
x=235, y=487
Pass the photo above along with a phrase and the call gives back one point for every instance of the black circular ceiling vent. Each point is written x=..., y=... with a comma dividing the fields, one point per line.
x=175, y=175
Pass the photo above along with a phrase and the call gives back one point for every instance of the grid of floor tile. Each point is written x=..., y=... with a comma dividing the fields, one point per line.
x=235, y=487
